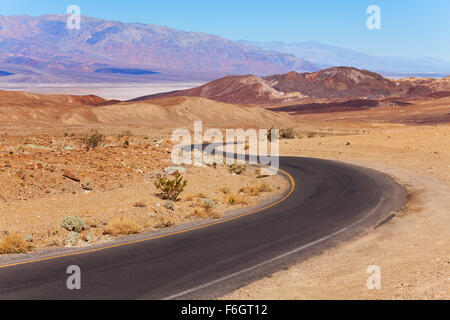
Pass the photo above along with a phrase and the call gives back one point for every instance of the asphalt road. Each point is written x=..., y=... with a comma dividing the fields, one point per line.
x=331, y=202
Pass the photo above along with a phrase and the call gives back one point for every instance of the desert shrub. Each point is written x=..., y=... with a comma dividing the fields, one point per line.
x=122, y=226
x=75, y=224
x=288, y=133
x=236, y=200
x=237, y=169
x=171, y=189
x=14, y=244
x=94, y=139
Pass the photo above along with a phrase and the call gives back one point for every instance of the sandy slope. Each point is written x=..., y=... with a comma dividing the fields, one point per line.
x=21, y=108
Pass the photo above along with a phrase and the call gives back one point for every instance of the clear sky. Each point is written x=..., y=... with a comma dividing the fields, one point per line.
x=410, y=28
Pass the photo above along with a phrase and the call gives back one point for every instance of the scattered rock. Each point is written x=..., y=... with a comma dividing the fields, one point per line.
x=349, y=143
x=86, y=185
x=69, y=175
x=169, y=205
x=173, y=170
x=210, y=203
x=29, y=238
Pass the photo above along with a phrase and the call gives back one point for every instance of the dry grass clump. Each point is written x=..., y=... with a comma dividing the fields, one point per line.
x=256, y=190
x=202, y=195
x=189, y=198
x=14, y=244
x=164, y=222
x=236, y=200
x=204, y=210
x=122, y=226
x=225, y=190
x=140, y=204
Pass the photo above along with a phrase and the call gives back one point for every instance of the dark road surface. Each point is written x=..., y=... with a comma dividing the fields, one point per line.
x=331, y=202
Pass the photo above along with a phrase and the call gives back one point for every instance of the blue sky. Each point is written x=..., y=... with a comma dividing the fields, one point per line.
x=414, y=28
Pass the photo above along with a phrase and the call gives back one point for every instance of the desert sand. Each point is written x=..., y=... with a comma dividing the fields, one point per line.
x=412, y=249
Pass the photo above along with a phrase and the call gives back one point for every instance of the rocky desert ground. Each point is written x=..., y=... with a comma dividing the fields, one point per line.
x=56, y=192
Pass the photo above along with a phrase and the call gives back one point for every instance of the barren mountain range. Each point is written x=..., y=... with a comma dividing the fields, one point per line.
x=332, y=83
x=45, y=43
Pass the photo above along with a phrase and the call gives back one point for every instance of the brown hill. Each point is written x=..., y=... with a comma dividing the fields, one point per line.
x=23, y=109
x=335, y=83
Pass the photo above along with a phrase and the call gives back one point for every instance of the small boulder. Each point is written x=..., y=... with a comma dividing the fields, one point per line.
x=173, y=170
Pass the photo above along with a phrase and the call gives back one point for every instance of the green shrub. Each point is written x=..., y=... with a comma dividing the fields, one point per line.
x=171, y=189
x=75, y=224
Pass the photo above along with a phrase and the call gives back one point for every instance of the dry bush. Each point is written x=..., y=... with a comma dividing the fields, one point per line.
x=237, y=168
x=236, y=200
x=250, y=190
x=122, y=226
x=256, y=190
x=164, y=222
x=94, y=139
x=205, y=210
x=288, y=133
x=264, y=187
x=171, y=189
x=14, y=244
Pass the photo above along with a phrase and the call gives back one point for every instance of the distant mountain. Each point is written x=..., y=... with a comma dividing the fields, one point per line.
x=45, y=43
x=333, y=83
x=331, y=56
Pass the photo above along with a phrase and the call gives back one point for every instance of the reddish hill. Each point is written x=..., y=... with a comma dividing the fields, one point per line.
x=333, y=83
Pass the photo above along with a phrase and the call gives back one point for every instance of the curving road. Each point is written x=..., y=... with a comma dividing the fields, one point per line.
x=331, y=202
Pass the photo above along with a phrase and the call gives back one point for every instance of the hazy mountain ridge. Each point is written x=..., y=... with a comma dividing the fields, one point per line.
x=46, y=43
x=332, y=56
